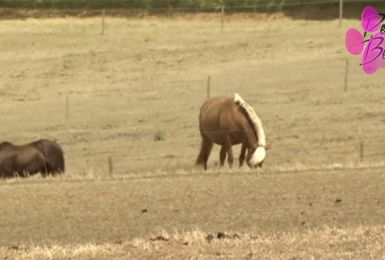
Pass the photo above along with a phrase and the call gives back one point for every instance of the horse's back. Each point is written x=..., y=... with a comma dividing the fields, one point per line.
x=213, y=109
x=219, y=117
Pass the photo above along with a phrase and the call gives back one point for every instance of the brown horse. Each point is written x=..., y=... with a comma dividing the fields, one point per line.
x=53, y=155
x=227, y=122
x=42, y=156
x=22, y=160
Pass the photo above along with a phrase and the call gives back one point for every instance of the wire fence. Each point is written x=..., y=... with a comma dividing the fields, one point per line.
x=359, y=151
x=177, y=6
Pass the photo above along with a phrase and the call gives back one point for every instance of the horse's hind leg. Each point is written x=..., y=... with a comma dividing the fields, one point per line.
x=229, y=150
x=204, y=153
x=45, y=169
x=222, y=155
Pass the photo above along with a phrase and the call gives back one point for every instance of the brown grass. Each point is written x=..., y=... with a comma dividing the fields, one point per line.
x=361, y=242
x=72, y=212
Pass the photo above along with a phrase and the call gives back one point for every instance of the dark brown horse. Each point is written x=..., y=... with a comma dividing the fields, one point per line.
x=22, y=160
x=227, y=122
x=53, y=155
x=42, y=156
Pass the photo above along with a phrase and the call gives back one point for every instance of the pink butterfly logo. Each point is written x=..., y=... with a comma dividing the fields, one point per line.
x=373, y=56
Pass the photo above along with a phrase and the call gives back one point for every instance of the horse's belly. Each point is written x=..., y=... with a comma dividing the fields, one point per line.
x=220, y=138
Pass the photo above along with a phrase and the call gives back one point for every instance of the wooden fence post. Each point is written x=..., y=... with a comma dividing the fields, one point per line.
x=110, y=166
x=67, y=110
x=361, y=151
x=103, y=17
x=341, y=11
x=208, y=86
x=222, y=16
x=346, y=74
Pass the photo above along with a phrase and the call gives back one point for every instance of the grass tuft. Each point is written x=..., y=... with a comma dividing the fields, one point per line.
x=159, y=136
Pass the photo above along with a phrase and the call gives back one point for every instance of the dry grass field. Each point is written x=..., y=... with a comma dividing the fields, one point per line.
x=313, y=197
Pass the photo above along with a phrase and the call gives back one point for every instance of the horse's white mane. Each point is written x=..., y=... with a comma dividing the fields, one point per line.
x=256, y=122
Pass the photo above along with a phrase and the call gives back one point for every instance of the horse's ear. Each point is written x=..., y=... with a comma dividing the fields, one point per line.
x=268, y=147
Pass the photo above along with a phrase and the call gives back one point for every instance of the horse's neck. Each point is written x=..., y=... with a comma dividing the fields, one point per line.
x=251, y=138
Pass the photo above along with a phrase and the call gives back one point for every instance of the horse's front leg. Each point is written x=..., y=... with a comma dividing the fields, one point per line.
x=242, y=155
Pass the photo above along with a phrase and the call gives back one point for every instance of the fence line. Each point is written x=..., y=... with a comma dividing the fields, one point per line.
x=361, y=146
x=230, y=8
x=233, y=5
x=269, y=6
x=180, y=160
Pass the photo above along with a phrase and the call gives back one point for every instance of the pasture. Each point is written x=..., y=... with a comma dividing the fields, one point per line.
x=107, y=98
